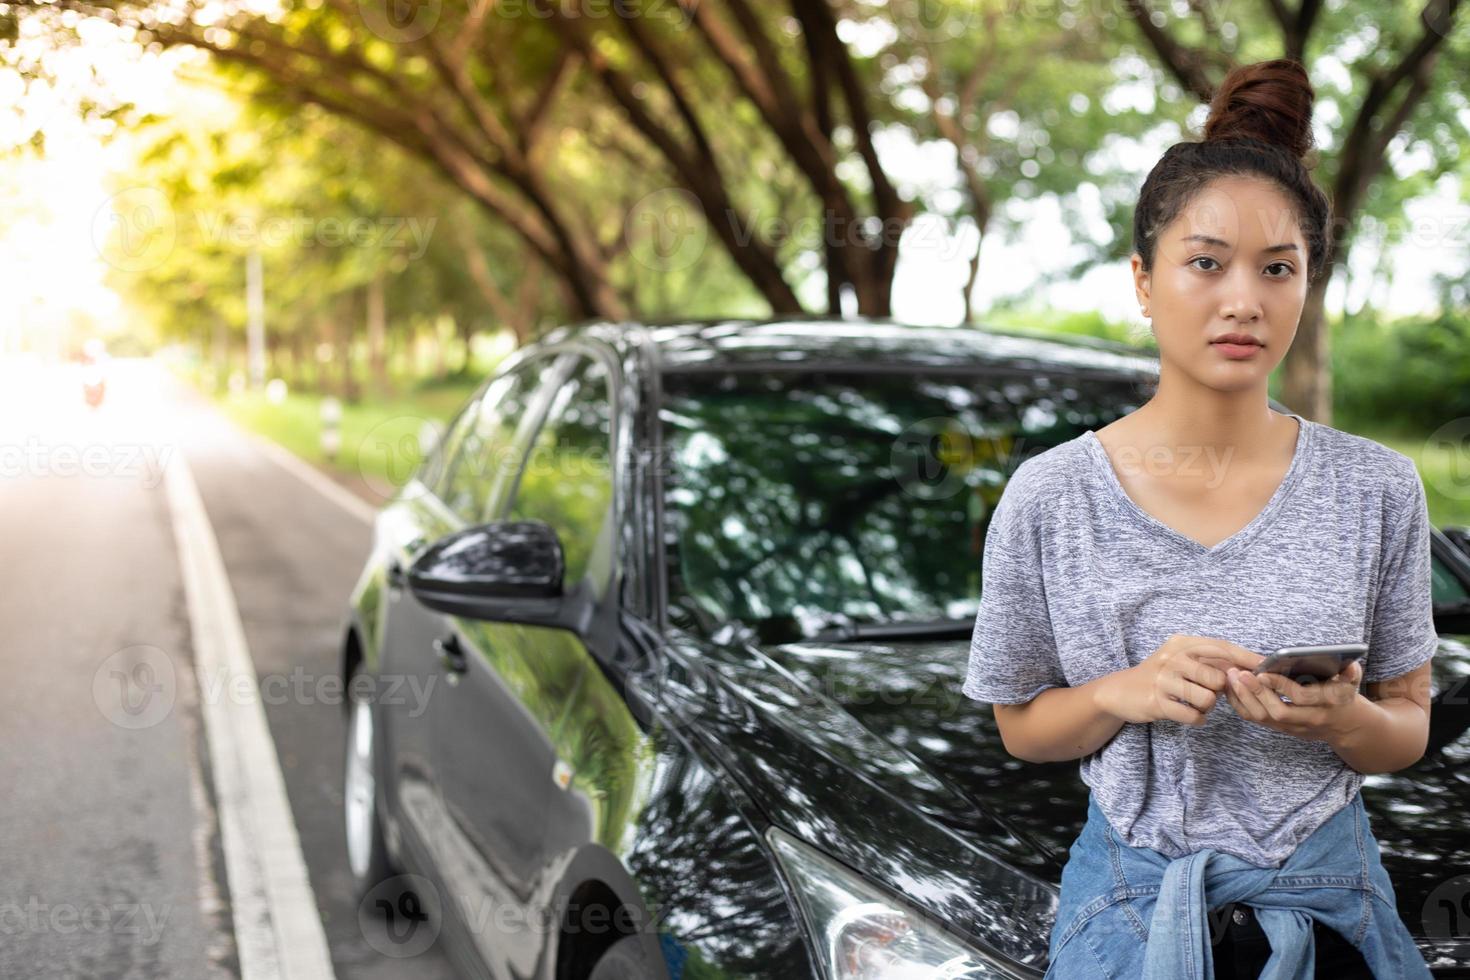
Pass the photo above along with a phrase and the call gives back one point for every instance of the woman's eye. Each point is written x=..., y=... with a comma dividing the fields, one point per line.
x=1286, y=266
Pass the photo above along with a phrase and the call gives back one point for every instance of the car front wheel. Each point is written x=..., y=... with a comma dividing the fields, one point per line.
x=367, y=851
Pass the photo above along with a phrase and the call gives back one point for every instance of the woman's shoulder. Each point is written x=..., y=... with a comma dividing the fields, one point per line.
x=1366, y=463
x=1043, y=481
x=1050, y=470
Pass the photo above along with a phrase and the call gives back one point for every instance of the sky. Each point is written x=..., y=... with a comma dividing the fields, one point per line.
x=55, y=211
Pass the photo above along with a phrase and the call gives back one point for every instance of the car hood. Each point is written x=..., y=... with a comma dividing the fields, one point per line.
x=830, y=735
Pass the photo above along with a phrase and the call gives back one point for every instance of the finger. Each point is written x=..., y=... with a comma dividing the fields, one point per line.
x=1293, y=719
x=1300, y=693
x=1252, y=694
x=1222, y=657
x=1310, y=692
x=1222, y=664
x=1339, y=690
x=1200, y=697
x=1182, y=713
x=1244, y=705
x=1265, y=696
x=1207, y=650
x=1335, y=689
x=1210, y=675
x=1244, y=658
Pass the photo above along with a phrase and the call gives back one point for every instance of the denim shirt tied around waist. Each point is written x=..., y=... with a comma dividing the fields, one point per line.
x=1130, y=912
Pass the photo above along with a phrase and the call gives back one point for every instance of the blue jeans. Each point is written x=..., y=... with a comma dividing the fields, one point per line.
x=1131, y=912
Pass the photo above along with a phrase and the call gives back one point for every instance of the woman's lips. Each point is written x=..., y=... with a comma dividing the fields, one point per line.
x=1236, y=352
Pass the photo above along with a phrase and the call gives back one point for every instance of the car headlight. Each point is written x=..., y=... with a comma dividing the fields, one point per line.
x=861, y=933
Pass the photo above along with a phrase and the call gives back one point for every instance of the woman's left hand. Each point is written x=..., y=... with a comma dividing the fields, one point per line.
x=1320, y=711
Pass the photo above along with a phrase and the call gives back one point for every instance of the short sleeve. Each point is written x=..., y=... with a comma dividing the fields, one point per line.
x=1402, y=634
x=1013, y=655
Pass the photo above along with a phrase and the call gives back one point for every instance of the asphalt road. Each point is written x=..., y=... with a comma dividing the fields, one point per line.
x=113, y=863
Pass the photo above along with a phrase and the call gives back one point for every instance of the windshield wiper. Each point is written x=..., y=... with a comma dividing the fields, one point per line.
x=934, y=629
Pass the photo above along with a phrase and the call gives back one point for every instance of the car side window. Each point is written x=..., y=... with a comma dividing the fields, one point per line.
x=485, y=446
x=442, y=455
x=567, y=476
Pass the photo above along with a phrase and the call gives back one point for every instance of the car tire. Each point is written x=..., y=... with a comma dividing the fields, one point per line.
x=623, y=960
x=367, y=848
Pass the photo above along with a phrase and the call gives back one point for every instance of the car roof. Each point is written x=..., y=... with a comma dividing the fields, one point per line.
x=732, y=342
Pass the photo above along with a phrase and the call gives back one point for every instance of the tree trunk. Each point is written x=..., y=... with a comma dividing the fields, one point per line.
x=465, y=329
x=221, y=351
x=436, y=338
x=377, y=331
x=327, y=331
x=298, y=360
x=343, y=321
x=1306, y=375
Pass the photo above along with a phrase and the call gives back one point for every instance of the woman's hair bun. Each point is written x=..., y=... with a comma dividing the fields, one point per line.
x=1270, y=101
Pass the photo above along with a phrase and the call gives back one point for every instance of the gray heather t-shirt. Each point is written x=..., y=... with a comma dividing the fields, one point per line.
x=1078, y=581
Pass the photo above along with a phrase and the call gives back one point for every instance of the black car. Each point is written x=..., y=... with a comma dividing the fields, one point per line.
x=688, y=608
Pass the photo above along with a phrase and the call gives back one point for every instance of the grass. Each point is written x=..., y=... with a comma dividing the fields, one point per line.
x=378, y=439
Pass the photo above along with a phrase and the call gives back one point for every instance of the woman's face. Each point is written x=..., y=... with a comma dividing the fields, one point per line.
x=1233, y=261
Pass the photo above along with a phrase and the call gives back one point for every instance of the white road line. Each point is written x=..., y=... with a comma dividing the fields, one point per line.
x=314, y=478
x=278, y=929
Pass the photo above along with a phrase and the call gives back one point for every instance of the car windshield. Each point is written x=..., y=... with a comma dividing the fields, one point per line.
x=804, y=503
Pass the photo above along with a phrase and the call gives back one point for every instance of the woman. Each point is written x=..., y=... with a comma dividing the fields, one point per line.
x=1133, y=576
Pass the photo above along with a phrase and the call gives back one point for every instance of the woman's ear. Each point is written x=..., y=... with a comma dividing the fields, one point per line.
x=1140, y=282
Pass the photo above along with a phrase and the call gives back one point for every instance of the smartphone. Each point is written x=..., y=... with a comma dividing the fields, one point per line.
x=1312, y=663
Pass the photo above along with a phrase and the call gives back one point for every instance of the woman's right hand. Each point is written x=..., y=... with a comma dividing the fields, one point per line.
x=1180, y=681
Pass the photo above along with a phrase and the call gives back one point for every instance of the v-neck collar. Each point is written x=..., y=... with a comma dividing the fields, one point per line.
x=1188, y=544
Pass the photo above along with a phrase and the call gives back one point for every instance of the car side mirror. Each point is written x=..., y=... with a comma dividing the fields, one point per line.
x=507, y=571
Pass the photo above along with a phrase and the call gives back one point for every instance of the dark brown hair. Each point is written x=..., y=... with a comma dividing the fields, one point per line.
x=1260, y=125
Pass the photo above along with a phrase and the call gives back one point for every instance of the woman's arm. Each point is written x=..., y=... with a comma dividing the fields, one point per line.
x=1059, y=724
x=1389, y=726
x=1180, y=681
x=1388, y=729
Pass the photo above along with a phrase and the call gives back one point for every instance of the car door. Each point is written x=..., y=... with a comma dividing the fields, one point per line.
x=502, y=738
x=413, y=683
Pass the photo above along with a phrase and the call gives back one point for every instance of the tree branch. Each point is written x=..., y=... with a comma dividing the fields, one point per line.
x=1186, y=64
x=754, y=257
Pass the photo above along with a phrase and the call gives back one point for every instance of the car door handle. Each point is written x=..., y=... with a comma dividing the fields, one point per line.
x=451, y=655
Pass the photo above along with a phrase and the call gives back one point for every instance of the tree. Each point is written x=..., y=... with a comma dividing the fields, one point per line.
x=1392, y=59
x=475, y=89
